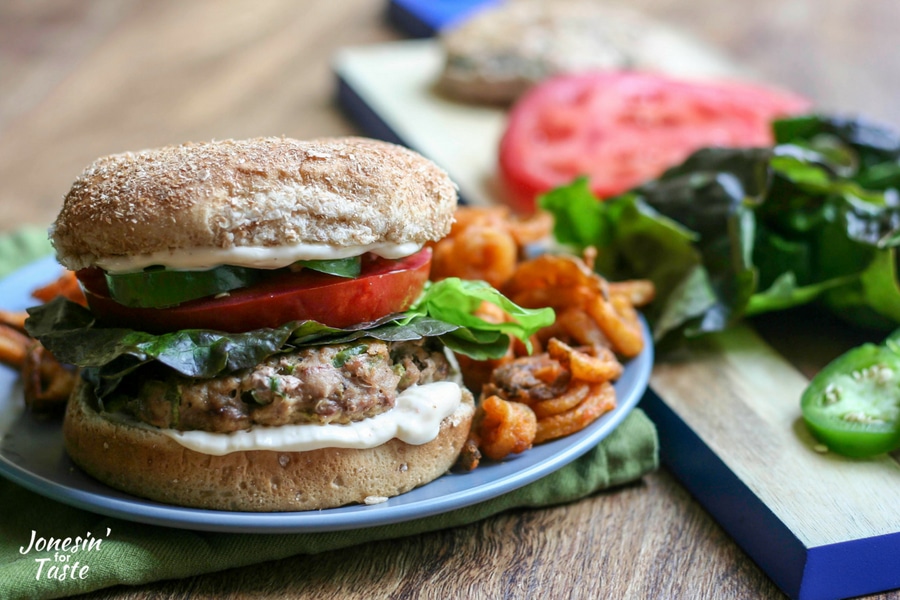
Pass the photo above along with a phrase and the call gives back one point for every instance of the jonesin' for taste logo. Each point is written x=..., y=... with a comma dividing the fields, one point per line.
x=56, y=560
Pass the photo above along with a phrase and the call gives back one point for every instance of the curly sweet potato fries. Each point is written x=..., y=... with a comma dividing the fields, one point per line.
x=46, y=383
x=567, y=383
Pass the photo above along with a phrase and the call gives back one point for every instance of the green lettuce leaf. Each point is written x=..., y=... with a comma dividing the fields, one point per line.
x=340, y=267
x=455, y=300
x=107, y=355
x=636, y=241
x=737, y=232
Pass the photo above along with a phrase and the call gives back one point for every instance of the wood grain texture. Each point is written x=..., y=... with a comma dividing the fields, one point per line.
x=824, y=498
x=84, y=78
x=586, y=550
x=735, y=392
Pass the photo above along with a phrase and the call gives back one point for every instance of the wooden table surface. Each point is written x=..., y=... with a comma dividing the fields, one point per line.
x=81, y=79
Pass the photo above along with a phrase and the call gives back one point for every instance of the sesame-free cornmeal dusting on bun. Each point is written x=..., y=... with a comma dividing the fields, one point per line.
x=263, y=192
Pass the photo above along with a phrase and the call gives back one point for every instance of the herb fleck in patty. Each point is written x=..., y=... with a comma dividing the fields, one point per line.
x=327, y=384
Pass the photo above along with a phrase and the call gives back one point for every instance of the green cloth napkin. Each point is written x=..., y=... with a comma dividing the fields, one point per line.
x=21, y=247
x=133, y=553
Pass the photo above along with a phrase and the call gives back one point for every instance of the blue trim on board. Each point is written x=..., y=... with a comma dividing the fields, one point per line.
x=369, y=121
x=841, y=570
x=834, y=571
x=853, y=568
x=746, y=518
x=424, y=18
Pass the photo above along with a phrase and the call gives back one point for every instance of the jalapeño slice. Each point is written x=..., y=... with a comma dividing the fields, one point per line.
x=852, y=406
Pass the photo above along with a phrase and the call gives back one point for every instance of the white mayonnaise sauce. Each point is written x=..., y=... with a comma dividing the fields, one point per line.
x=415, y=419
x=257, y=257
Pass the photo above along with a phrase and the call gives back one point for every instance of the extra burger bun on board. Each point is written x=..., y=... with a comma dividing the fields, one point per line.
x=272, y=210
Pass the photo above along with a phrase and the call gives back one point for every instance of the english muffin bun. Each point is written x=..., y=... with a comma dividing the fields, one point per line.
x=264, y=192
x=144, y=462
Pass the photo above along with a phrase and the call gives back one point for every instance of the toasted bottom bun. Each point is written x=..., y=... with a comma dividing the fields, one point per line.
x=149, y=464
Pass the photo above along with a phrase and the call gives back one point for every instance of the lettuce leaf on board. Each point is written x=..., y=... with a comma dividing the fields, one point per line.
x=444, y=310
x=736, y=232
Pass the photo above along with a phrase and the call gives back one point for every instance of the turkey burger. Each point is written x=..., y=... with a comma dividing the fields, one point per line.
x=260, y=332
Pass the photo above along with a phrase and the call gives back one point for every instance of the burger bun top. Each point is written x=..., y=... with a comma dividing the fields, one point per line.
x=263, y=192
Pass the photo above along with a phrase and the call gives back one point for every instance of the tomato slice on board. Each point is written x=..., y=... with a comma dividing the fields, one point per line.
x=383, y=287
x=621, y=129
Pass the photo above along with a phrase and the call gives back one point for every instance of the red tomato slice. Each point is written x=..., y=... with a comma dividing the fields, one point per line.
x=383, y=287
x=623, y=129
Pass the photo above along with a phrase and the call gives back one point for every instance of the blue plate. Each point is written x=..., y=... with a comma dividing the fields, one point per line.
x=32, y=455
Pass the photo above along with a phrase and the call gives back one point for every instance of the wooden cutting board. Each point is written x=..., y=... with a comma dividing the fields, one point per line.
x=726, y=406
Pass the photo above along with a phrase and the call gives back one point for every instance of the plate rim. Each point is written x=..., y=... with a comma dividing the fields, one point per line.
x=402, y=508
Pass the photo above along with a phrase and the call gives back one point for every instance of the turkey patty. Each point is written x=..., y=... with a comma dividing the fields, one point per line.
x=321, y=384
